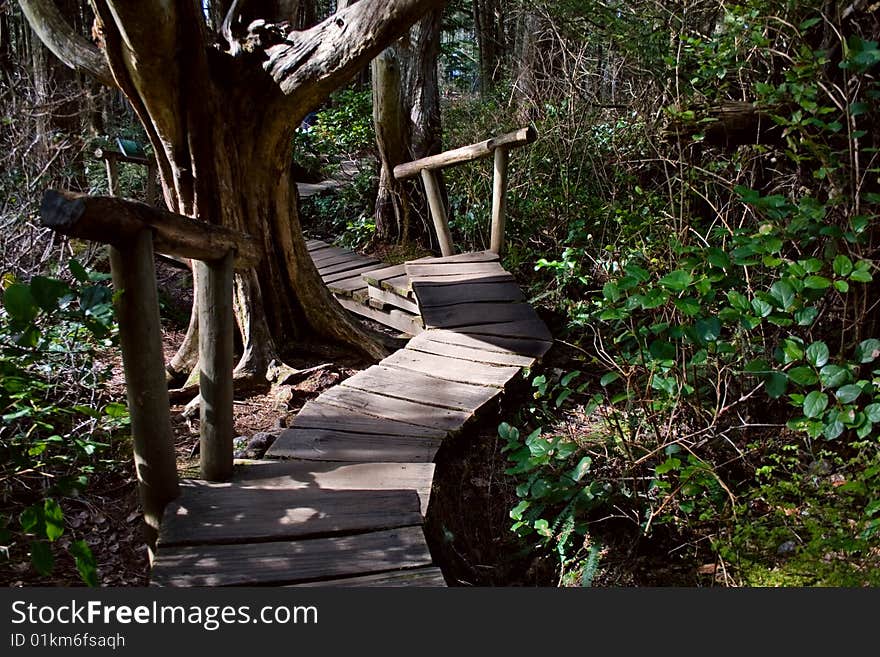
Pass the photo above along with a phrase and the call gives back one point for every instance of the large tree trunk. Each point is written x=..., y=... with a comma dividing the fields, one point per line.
x=406, y=112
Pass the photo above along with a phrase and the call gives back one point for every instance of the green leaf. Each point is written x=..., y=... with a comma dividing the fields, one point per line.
x=662, y=350
x=31, y=520
x=804, y=376
x=543, y=528
x=784, y=293
x=861, y=277
x=848, y=394
x=582, y=468
x=677, y=280
x=872, y=411
x=668, y=465
x=78, y=271
x=817, y=282
x=806, y=316
x=841, y=286
x=86, y=564
x=761, y=307
x=817, y=354
x=47, y=292
x=815, y=404
x=775, y=384
x=843, y=266
x=868, y=350
x=834, y=376
x=610, y=377
x=688, y=306
x=41, y=557
x=708, y=329
x=54, y=519
x=20, y=303
x=611, y=292
x=833, y=429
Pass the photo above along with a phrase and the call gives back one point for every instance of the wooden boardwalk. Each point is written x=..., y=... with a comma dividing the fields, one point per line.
x=342, y=494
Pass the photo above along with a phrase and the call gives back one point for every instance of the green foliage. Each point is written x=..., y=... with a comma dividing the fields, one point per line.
x=345, y=126
x=723, y=301
x=52, y=438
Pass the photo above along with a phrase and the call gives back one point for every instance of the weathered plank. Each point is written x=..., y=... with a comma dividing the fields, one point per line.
x=458, y=279
x=316, y=245
x=507, y=345
x=315, y=415
x=232, y=513
x=348, y=287
x=466, y=314
x=415, y=269
x=400, y=410
x=353, y=262
x=467, y=292
x=291, y=562
x=451, y=369
x=458, y=258
x=328, y=257
x=289, y=475
x=530, y=329
x=386, y=298
x=327, y=445
x=421, y=388
x=420, y=343
x=399, y=285
x=421, y=577
x=376, y=276
x=396, y=319
x=349, y=273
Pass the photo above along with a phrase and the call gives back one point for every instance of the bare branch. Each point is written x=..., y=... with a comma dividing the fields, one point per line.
x=314, y=62
x=64, y=42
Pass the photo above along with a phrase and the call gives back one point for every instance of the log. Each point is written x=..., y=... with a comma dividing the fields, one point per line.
x=438, y=212
x=117, y=221
x=499, y=199
x=482, y=149
x=729, y=124
x=140, y=337
x=216, y=326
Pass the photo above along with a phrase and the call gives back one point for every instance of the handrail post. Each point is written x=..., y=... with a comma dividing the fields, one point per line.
x=216, y=326
x=140, y=337
x=438, y=212
x=499, y=199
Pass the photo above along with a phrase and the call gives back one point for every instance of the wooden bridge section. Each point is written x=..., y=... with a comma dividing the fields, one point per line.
x=343, y=493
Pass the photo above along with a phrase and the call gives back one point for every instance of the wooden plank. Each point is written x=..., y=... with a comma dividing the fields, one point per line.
x=495, y=343
x=392, y=408
x=458, y=258
x=420, y=577
x=351, y=273
x=530, y=329
x=291, y=562
x=348, y=287
x=451, y=369
x=421, y=388
x=416, y=269
x=467, y=292
x=399, y=285
x=354, y=261
x=376, y=276
x=469, y=353
x=396, y=319
x=466, y=314
x=332, y=256
x=395, y=476
x=326, y=445
x=457, y=279
x=232, y=513
x=316, y=245
x=384, y=297
x=315, y=415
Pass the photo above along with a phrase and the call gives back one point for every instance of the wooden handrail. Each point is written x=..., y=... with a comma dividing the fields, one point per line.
x=113, y=220
x=116, y=156
x=464, y=154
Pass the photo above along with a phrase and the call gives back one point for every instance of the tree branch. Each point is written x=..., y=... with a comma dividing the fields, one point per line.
x=64, y=42
x=311, y=64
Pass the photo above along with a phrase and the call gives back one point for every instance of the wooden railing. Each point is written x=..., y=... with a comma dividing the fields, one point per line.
x=426, y=166
x=134, y=231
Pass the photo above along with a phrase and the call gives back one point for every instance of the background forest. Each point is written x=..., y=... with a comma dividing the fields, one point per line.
x=697, y=222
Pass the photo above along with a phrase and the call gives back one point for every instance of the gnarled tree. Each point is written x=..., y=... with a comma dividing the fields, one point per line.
x=220, y=107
